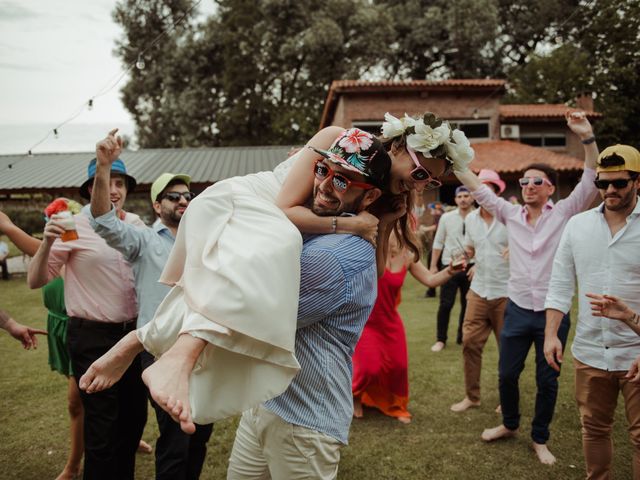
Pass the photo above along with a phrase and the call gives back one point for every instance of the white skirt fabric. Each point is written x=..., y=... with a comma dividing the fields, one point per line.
x=235, y=268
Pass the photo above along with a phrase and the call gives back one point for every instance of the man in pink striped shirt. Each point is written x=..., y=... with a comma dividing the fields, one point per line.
x=534, y=231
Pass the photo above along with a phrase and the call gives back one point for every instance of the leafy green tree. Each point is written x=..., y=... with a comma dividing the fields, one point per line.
x=256, y=72
x=602, y=55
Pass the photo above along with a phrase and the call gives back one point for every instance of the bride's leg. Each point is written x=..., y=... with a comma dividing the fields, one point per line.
x=168, y=379
x=110, y=367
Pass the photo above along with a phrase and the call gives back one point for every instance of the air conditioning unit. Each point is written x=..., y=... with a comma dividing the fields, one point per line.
x=510, y=131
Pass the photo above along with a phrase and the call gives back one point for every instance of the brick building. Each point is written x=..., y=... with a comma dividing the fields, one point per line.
x=506, y=138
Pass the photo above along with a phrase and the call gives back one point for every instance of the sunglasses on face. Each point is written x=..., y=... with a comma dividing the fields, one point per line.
x=340, y=183
x=537, y=181
x=421, y=174
x=618, y=183
x=175, y=196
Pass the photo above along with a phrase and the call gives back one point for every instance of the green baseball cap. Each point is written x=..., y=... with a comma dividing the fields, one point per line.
x=165, y=179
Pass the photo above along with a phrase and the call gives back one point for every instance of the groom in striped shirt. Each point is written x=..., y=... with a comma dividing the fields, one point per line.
x=299, y=434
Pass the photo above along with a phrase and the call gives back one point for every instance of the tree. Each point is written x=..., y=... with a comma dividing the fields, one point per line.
x=255, y=73
x=601, y=55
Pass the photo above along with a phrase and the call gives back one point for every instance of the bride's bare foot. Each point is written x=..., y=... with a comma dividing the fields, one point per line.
x=496, y=433
x=357, y=408
x=168, y=379
x=543, y=453
x=405, y=420
x=110, y=367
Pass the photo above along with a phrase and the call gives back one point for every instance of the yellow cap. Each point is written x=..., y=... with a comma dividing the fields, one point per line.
x=618, y=158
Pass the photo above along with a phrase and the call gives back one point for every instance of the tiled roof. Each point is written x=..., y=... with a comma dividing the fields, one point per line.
x=417, y=84
x=342, y=86
x=536, y=110
x=505, y=156
x=69, y=170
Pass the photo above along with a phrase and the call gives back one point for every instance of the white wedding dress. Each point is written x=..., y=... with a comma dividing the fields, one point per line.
x=235, y=268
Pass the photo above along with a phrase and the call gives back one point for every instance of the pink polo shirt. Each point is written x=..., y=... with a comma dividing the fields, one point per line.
x=98, y=282
x=531, y=248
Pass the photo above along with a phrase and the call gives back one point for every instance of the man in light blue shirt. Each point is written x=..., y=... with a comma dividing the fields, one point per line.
x=178, y=455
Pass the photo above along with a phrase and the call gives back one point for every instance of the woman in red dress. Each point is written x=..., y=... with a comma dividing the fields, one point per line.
x=380, y=362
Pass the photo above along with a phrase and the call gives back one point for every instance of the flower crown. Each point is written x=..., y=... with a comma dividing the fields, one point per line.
x=431, y=136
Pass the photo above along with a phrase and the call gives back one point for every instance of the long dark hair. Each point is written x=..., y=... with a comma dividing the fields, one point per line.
x=404, y=227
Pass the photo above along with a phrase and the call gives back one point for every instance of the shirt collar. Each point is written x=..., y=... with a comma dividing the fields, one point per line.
x=633, y=214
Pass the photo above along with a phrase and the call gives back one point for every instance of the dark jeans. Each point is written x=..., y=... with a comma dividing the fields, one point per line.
x=522, y=328
x=179, y=456
x=5, y=269
x=114, y=418
x=447, y=300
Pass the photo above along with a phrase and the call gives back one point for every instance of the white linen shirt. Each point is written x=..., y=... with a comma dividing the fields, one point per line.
x=489, y=242
x=448, y=234
x=605, y=265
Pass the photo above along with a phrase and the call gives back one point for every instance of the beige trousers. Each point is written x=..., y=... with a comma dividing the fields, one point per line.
x=481, y=318
x=597, y=395
x=267, y=447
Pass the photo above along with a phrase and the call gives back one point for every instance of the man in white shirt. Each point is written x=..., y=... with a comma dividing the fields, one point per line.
x=448, y=239
x=600, y=248
x=486, y=239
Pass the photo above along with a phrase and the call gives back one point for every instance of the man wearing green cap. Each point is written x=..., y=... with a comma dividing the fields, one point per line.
x=600, y=248
x=178, y=455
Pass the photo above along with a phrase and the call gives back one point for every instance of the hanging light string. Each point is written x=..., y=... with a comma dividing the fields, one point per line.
x=115, y=80
x=476, y=109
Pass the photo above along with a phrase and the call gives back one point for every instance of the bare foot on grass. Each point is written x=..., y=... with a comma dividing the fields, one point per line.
x=168, y=379
x=438, y=346
x=405, y=420
x=69, y=473
x=499, y=409
x=464, y=404
x=144, y=447
x=357, y=408
x=110, y=367
x=496, y=433
x=543, y=453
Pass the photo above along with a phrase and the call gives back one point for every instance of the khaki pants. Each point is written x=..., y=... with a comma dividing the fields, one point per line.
x=268, y=447
x=482, y=317
x=597, y=394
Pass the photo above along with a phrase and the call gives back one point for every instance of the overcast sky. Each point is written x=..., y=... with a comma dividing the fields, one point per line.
x=54, y=56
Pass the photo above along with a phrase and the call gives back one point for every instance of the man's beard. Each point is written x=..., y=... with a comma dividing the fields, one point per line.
x=351, y=207
x=623, y=201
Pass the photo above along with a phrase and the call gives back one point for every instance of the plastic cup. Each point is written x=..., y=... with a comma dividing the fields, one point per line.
x=69, y=225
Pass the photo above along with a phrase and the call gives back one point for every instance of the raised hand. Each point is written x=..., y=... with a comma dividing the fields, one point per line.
x=108, y=150
x=609, y=306
x=579, y=124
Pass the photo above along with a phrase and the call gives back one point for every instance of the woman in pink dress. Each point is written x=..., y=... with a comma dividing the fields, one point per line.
x=380, y=361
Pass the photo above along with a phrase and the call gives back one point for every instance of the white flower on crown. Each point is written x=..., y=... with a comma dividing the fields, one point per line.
x=427, y=138
x=459, y=150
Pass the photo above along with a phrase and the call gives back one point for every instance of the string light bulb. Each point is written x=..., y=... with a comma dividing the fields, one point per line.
x=55, y=132
x=90, y=104
x=140, y=62
x=476, y=114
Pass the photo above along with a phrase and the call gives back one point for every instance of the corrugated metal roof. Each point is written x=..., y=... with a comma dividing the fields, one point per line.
x=69, y=170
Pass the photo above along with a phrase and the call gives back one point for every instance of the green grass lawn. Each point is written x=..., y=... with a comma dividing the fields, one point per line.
x=437, y=445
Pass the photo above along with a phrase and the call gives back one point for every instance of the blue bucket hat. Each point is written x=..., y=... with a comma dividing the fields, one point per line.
x=116, y=167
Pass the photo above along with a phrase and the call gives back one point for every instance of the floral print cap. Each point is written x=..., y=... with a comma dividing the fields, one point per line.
x=356, y=150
